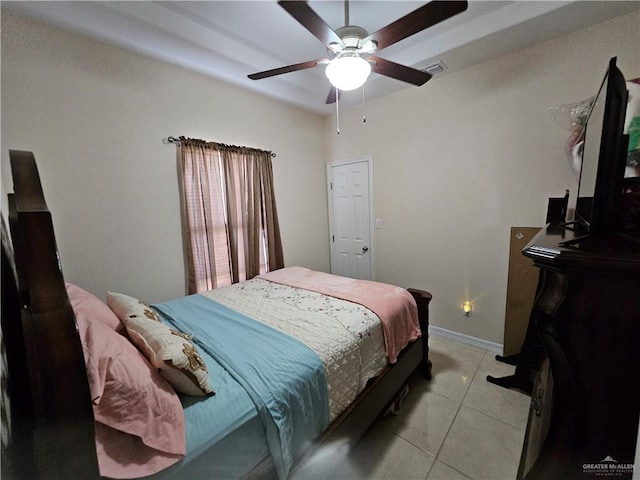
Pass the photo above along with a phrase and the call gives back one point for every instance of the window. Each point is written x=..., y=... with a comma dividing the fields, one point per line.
x=232, y=231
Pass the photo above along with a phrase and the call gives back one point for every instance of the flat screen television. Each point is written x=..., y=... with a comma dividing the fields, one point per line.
x=603, y=157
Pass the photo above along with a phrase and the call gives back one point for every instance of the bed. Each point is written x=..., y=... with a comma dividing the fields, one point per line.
x=58, y=411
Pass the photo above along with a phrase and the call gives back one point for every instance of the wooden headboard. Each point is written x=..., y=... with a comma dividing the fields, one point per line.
x=47, y=416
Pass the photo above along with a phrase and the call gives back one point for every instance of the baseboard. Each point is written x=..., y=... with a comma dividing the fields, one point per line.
x=468, y=339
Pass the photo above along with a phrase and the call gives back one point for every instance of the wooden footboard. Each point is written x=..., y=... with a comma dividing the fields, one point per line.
x=423, y=298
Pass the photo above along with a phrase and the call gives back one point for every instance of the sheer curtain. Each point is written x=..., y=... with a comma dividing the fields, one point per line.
x=232, y=231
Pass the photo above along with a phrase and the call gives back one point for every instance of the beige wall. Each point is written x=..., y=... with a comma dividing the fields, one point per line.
x=95, y=115
x=460, y=160
x=457, y=162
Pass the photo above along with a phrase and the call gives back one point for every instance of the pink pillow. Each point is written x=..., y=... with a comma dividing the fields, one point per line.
x=130, y=396
x=91, y=308
x=125, y=456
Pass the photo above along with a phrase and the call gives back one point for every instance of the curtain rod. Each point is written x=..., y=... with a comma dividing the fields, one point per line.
x=176, y=141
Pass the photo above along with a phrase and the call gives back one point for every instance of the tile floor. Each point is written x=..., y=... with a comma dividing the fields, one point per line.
x=457, y=426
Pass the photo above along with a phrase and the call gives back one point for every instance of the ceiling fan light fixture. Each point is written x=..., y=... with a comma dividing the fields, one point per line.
x=348, y=71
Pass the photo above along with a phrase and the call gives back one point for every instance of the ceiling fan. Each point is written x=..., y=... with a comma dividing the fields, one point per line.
x=352, y=49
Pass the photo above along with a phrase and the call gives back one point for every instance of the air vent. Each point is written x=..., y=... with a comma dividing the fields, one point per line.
x=434, y=68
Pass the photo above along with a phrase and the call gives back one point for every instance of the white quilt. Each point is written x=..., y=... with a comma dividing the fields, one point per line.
x=346, y=336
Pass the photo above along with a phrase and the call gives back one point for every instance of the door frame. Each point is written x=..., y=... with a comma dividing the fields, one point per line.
x=338, y=163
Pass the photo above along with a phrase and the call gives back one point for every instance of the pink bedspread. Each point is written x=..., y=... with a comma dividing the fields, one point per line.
x=394, y=305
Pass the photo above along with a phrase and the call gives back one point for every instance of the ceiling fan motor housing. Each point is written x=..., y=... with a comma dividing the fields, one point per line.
x=352, y=36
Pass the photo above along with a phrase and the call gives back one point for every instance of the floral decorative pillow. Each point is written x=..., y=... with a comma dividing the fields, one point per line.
x=168, y=350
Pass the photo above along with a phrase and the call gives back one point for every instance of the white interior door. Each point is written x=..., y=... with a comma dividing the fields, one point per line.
x=350, y=211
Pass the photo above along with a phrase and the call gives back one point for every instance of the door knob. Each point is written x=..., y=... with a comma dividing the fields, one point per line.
x=365, y=249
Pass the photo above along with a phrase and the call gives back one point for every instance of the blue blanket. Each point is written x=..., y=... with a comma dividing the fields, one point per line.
x=284, y=378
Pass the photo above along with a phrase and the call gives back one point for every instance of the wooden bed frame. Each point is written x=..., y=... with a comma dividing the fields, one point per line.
x=47, y=417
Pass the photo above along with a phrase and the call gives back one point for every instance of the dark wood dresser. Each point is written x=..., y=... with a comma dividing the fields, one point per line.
x=585, y=404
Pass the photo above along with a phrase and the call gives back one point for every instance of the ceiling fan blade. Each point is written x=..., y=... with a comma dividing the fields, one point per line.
x=287, y=69
x=310, y=20
x=416, y=21
x=331, y=98
x=399, y=72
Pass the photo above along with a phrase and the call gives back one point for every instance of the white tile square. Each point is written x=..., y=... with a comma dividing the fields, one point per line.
x=442, y=471
x=450, y=377
x=509, y=406
x=482, y=447
x=379, y=454
x=461, y=352
x=494, y=367
x=424, y=419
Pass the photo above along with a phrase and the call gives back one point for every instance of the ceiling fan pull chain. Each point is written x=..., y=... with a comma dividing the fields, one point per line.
x=346, y=12
x=337, y=111
x=364, y=113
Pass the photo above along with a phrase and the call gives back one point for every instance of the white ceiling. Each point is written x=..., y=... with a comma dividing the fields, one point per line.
x=230, y=39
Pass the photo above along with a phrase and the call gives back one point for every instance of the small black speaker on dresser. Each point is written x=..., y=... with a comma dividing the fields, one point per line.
x=557, y=209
